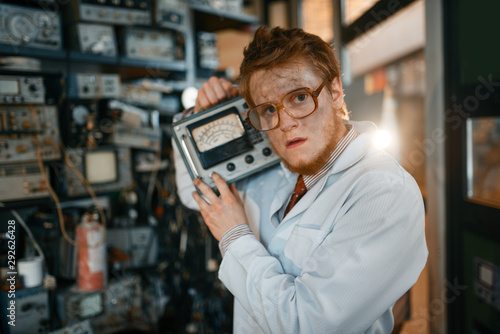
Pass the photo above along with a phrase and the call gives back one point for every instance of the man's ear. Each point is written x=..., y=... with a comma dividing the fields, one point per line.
x=337, y=93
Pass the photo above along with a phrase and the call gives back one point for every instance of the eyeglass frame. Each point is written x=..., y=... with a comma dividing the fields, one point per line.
x=314, y=94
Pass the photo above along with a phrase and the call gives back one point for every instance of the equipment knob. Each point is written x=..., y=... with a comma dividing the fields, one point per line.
x=266, y=151
x=249, y=159
x=230, y=167
x=34, y=87
x=21, y=149
x=26, y=125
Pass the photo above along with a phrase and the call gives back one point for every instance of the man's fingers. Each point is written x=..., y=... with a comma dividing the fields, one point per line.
x=235, y=91
x=221, y=185
x=229, y=89
x=221, y=88
x=206, y=98
x=214, y=91
x=205, y=190
x=201, y=201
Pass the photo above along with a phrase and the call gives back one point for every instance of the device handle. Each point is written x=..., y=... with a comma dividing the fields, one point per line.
x=188, y=156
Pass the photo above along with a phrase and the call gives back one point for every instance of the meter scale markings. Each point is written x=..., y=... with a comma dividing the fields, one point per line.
x=218, y=132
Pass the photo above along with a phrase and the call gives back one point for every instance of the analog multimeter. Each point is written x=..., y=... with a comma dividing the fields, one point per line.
x=219, y=140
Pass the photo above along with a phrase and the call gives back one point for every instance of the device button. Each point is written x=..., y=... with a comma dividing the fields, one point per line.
x=249, y=159
x=230, y=167
x=266, y=151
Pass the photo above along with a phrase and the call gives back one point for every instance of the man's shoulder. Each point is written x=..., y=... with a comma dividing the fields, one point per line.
x=378, y=165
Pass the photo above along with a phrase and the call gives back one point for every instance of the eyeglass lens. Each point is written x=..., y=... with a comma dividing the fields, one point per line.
x=297, y=103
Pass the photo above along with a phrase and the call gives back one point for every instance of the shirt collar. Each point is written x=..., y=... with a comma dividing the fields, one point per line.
x=311, y=180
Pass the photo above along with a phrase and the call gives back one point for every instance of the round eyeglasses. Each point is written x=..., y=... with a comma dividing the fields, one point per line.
x=298, y=103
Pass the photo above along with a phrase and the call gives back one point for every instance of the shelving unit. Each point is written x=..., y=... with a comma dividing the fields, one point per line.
x=198, y=17
x=184, y=275
x=211, y=19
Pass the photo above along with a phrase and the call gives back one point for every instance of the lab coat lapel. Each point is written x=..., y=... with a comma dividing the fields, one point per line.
x=351, y=155
x=284, y=190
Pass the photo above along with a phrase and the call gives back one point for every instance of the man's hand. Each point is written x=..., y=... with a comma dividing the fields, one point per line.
x=225, y=211
x=214, y=91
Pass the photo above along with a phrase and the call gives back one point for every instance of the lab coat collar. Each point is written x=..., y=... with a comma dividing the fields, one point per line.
x=353, y=153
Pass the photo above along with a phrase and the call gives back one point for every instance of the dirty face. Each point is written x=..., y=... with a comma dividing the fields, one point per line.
x=304, y=145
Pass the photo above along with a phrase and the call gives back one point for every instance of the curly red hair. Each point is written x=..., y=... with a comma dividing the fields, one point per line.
x=272, y=47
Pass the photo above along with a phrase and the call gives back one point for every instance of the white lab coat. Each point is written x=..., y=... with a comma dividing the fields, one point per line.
x=342, y=256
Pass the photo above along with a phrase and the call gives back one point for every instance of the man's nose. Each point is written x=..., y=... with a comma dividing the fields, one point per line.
x=287, y=122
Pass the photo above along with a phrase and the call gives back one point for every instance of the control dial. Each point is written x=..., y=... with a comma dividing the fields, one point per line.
x=22, y=28
x=80, y=114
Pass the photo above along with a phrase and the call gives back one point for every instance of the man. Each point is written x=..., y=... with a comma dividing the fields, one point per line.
x=337, y=260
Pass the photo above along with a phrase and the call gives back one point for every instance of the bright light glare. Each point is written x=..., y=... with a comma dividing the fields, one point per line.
x=383, y=139
x=188, y=97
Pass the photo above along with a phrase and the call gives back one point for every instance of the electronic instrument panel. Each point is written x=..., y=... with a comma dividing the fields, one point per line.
x=26, y=129
x=97, y=39
x=21, y=90
x=21, y=182
x=218, y=140
x=31, y=27
x=124, y=12
x=31, y=311
x=114, y=308
x=142, y=43
x=105, y=168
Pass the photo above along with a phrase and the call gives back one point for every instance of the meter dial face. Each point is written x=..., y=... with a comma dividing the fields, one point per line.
x=80, y=114
x=218, y=132
x=22, y=28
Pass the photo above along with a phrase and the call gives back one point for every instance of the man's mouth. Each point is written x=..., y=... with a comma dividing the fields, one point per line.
x=292, y=143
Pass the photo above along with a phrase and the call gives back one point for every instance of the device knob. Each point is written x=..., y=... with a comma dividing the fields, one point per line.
x=21, y=149
x=249, y=159
x=230, y=167
x=34, y=87
x=25, y=39
x=266, y=151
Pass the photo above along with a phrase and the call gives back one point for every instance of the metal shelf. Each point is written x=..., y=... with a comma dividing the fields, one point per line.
x=176, y=65
x=210, y=19
x=77, y=56
x=25, y=51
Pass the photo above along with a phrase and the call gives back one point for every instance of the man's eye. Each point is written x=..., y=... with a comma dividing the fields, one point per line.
x=269, y=110
x=300, y=98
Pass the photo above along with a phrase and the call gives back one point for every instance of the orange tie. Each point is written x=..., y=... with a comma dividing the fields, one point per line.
x=300, y=190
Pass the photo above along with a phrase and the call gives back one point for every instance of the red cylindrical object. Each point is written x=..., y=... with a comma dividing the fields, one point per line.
x=92, y=270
